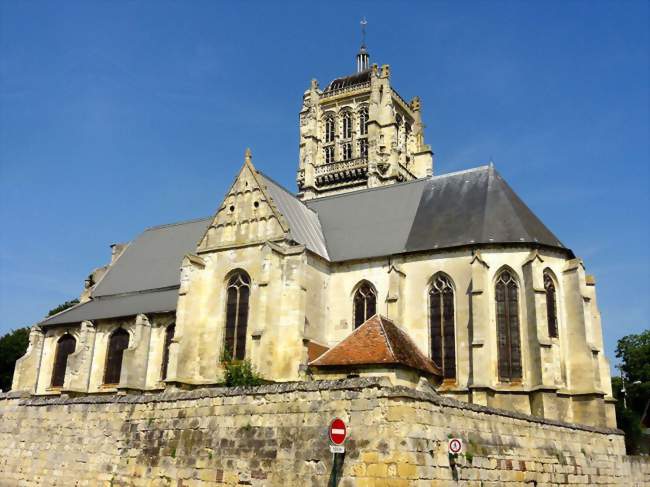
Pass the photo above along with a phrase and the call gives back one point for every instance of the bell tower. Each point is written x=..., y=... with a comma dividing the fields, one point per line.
x=359, y=133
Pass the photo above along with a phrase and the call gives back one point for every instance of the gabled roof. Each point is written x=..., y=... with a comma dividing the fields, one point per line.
x=470, y=207
x=458, y=209
x=304, y=226
x=144, y=279
x=378, y=341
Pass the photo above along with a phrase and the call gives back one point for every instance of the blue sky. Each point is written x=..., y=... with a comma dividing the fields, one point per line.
x=116, y=116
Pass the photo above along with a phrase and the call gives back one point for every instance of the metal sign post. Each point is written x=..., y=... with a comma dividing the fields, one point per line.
x=338, y=432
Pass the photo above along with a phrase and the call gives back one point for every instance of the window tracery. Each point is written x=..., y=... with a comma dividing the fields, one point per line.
x=441, y=322
x=508, y=339
x=238, y=294
x=551, y=305
x=365, y=303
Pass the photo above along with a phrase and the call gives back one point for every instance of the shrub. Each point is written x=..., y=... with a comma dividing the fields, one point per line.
x=242, y=373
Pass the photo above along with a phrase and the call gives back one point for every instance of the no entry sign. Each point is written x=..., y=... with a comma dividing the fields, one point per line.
x=338, y=431
x=455, y=445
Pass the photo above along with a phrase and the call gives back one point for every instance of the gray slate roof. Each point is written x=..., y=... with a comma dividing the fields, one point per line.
x=470, y=207
x=304, y=226
x=144, y=279
x=464, y=208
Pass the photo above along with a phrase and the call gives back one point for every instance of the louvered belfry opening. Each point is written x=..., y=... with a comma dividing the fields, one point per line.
x=509, y=346
x=551, y=306
x=64, y=347
x=441, y=315
x=365, y=303
x=169, y=336
x=238, y=294
x=117, y=343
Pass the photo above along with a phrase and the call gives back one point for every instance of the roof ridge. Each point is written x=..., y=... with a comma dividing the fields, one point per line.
x=265, y=176
x=397, y=185
x=386, y=338
x=166, y=225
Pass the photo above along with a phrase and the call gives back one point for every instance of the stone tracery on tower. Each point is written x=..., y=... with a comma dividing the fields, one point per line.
x=360, y=133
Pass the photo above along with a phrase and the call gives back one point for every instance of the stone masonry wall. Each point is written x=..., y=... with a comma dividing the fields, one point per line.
x=277, y=435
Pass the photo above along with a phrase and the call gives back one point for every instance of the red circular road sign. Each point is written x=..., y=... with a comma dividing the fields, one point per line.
x=455, y=445
x=338, y=431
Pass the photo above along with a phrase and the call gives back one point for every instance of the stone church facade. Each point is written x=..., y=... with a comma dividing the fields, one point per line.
x=496, y=309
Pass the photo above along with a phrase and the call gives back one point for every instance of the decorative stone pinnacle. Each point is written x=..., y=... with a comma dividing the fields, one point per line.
x=248, y=155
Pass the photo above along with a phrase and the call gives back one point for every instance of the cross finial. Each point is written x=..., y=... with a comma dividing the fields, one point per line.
x=248, y=155
x=363, y=23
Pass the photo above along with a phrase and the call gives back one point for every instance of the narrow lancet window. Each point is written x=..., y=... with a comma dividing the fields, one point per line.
x=329, y=129
x=347, y=125
x=329, y=154
x=347, y=151
x=441, y=315
x=507, y=310
x=117, y=343
x=363, y=148
x=363, y=121
x=551, y=306
x=64, y=347
x=365, y=303
x=238, y=293
x=169, y=336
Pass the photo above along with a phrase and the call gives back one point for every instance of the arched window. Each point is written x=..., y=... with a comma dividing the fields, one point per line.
x=551, y=305
x=507, y=306
x=347, y=125
x=347, y=151
x=237, y=316
x=329, y=129
x=64, y=347
x=441, y=316
x=363, y=148
x=365, y=303
x=329, y=154
x=169, y=336
x=363, y=121
x=117, y=343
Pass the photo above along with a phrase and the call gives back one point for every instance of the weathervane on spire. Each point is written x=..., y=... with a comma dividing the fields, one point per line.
x=363, y=58
x=363, y=23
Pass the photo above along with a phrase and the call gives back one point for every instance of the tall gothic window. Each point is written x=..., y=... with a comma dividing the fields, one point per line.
x=507, y=307
x=347, y=151
x=363, y=148
x=347, y=125
x=551, y=305
x=64, y=347
x=329, y=129
x=329, y=154
x=441, y=315
x=363, y=121
x=169, y=336
x=365, y=303
x=117, y=343
x=237, y=316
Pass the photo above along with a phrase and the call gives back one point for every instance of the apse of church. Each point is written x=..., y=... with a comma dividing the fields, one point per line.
x=376, y=267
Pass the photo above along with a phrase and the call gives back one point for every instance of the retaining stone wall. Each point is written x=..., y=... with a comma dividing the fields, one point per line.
x=277, y=435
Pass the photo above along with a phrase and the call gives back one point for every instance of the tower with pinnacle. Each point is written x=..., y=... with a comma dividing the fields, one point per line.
x=360, y=133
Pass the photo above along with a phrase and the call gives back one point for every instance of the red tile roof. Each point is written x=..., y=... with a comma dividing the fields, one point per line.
x=378, y=341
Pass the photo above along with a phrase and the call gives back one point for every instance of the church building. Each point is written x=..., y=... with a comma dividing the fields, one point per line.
x=377, y=265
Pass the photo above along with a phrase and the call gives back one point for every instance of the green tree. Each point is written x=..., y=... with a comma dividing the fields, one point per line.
x=13, y=345
x=633, y=351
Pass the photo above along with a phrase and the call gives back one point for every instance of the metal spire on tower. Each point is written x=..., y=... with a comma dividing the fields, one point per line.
x=363, y=58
